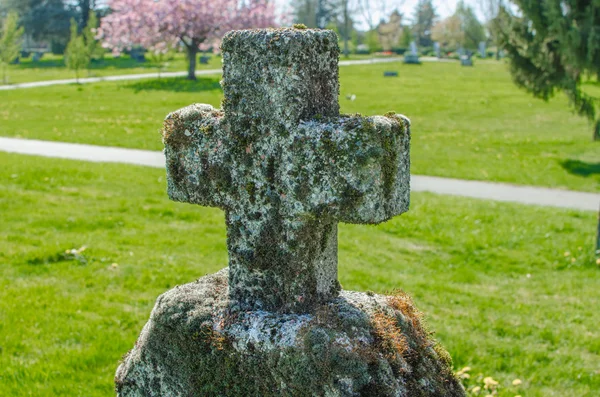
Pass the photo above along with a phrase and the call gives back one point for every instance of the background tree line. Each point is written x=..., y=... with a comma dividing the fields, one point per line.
x=49, y=21
x=551, y=45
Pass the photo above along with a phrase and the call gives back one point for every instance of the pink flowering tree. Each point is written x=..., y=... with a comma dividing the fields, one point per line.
x=159, y=25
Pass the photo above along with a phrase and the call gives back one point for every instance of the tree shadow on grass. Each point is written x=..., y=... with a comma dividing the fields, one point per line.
x=581, y=168
x=177, y=84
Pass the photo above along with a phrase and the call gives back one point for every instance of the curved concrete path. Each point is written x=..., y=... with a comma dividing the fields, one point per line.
x=89, y=80
x=482, y=190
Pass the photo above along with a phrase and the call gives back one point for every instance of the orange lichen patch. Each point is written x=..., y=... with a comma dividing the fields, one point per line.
x=388, y=335
x=211, y=337
x=400, y=301
x=171, y=126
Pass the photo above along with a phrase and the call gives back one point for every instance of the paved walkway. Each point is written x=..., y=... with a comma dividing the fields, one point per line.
x=456, y=187
x=89, y=80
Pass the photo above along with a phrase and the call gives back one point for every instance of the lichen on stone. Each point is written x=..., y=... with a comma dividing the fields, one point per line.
x=353, y=345
x=285, y=166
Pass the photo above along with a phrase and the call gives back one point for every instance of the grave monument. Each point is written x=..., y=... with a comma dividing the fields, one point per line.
x=285, y=167
x=413, y=56
x=437, y=49
x=465, y=57
x=482, y=50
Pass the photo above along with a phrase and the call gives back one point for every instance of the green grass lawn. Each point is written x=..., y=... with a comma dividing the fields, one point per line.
x=470, y=123
x=493, y=278
x=52, y=67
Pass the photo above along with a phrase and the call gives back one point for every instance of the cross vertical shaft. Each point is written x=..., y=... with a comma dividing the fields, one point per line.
x=285, y=166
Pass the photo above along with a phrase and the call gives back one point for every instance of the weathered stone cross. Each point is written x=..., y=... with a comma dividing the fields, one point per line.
x=286, y=166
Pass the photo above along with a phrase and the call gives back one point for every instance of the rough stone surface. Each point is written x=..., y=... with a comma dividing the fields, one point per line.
x=285, y=166
x=355, y=345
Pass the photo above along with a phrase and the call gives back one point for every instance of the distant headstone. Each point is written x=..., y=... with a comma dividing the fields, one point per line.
x=413, y=56
x=465, y=57
x=138, y=54
x=286, y=168
x=390, y=73
x=482, y=49
x=16, y=61
x=436, y=49
x=204, y=59
x=37, y=56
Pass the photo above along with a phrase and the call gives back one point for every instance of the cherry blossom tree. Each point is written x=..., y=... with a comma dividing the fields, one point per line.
x=159, y=25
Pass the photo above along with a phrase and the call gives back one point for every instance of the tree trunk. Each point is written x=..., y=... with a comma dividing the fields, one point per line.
x=346, y=29
x=192, y=53
x=597, y=131
x=598, y=236
x=86, y=7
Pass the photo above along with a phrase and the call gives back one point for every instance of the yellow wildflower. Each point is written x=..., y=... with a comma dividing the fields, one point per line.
x=490, y=383
x=462, y=374
x=567, y=253
x=516, y=382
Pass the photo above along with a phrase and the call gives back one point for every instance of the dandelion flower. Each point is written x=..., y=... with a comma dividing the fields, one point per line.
x=490, y=383
x=598, y=261
x=516, y=382
x=462, y=374
x=567, y=253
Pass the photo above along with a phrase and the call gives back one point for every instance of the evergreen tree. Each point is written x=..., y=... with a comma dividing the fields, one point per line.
x=10, y=42
x=94, y=48
x=42, y=19
x=554, y=45
x=424, y=20
x=77, y=56
x=473, y=31
x=318, y=13
x=406, y=37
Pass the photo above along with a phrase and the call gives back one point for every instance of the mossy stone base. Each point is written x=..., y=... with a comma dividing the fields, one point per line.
x=356, y=345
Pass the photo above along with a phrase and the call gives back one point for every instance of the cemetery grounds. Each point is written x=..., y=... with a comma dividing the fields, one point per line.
x=510, y=290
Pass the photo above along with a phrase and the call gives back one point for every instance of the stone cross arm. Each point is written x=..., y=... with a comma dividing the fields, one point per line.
x=285, y=165
x=351, y=169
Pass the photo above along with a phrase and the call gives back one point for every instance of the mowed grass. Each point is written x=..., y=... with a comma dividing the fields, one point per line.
x=492, y=278
x=470, y=123
x=52, y=67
